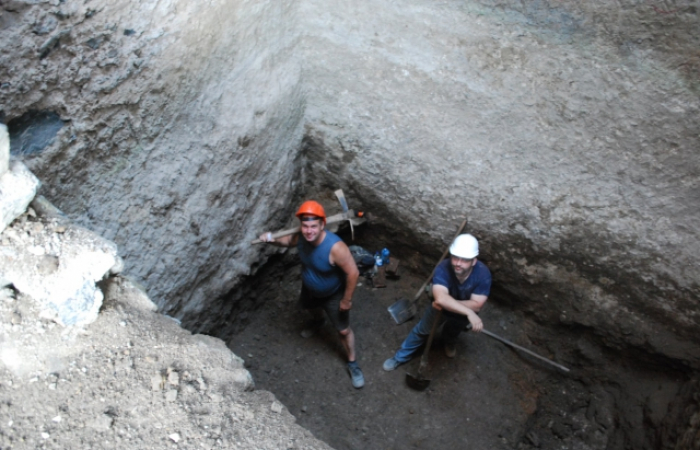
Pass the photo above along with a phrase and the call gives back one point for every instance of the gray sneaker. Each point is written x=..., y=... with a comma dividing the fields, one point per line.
x=391, y=364
x=358, y=380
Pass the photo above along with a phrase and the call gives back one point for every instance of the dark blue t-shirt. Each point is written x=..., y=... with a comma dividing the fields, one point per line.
x=478, y=282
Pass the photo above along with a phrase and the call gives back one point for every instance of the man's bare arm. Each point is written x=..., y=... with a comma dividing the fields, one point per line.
x=341, y=257
x=284, y=241
x=469, y=308
x=475, y=302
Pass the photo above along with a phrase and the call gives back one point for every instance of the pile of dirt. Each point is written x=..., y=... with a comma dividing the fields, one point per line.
x=131, y=379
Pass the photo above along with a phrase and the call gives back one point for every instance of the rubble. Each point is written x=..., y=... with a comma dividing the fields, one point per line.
x=86, y=365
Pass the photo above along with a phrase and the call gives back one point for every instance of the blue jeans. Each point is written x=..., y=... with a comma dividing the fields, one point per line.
x=419, y=334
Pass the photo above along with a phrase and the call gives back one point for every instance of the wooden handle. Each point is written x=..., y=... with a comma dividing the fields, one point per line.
x=349, y=215
x=279, y=234
x=424, y=357
x=422, y=288
x=507, y=342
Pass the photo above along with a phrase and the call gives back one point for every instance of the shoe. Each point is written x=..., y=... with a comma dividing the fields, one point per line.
x=391, y=364
x=358, y=380
x=450, y=350
x=312, y=328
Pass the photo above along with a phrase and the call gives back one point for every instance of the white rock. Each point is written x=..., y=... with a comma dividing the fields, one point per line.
x=215, y=398
x=276, y=407
x=4, y=149
x=101, y=423
x=156, y=382
x=66, y=287
x=18, y=187
x=243, y=380
x=173, y=378
x=171, y=395
x=36, y=250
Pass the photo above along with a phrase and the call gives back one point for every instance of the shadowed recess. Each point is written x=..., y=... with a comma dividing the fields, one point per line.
x=33, y=132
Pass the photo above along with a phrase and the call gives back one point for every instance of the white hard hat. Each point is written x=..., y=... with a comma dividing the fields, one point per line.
x=465, y=246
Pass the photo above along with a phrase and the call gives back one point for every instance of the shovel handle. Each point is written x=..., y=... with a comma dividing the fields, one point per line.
x=422, y=288
x=424, y=356
x=531, y=353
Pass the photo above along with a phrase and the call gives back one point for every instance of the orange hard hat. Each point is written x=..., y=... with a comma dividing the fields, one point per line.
x=312, y=208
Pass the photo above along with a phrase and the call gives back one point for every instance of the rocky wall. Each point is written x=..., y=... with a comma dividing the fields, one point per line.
x=566, y=133
x=182, y=122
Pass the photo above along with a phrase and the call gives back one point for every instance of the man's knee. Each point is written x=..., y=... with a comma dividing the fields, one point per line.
x=345, y=332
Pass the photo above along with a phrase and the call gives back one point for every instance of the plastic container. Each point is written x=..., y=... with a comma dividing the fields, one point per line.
x=378, y=261
x=385, y=256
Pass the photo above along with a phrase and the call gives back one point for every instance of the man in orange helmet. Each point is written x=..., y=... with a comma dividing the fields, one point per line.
x=329, y=277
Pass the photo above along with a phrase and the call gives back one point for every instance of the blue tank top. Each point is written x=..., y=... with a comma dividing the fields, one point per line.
x=318, y=275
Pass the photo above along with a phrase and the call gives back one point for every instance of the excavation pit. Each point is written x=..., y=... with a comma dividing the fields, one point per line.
x=566, y=130
x=488, y=396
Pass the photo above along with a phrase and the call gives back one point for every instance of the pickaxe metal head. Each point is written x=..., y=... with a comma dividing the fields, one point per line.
x=344, y=204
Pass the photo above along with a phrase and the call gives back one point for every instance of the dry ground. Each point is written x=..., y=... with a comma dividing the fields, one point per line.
x=481, y=399
x=489, y=396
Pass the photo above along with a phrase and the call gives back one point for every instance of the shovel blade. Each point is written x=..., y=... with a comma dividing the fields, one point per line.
x=402, y=310
x=417, y=382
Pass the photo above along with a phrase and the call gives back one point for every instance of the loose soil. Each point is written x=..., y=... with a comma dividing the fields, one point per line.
x=480, y=399
x=488, y=397
x=132, y=379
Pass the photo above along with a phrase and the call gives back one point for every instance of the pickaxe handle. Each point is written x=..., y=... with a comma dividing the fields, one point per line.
x=344, y=204
x=444, y=254
x=351, y=214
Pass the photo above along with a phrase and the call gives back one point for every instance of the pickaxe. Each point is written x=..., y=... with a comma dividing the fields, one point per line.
x=353, y=217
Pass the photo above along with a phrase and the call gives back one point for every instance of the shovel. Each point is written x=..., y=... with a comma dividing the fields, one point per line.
x=403, y=309
x=417, y=381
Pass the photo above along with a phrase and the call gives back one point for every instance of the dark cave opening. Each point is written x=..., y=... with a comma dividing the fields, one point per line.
x=33, y=132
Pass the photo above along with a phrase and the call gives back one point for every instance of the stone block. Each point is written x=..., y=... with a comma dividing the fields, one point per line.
x=242, y=380
x=118, y=289
x=46, y=209
x=18, y=186
x=57, y=270
x=4, y=150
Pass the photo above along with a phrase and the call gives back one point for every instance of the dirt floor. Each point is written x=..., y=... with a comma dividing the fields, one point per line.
x=135, y=379
x=480, y=399
x=488, y=397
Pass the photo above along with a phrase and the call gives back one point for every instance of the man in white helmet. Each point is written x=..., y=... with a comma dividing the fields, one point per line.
x=461, y=285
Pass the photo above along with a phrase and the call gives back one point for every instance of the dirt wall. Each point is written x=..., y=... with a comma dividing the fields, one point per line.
x=182, y=122
x=564, y=132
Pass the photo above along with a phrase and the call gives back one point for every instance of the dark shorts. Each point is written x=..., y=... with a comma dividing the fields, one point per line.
x=330, y=304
